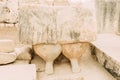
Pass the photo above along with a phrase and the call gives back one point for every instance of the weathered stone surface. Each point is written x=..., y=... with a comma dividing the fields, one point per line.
x=18, y=72
x=90, y=70
x=73, y=51
x=60, y=2
x=7, y=45
x=9, y=11
x=48, y=52
x=77, y=25
x=9, y=31
x=24, y=53
x=40, y=2
x=108, y=56
x=6, y=58
x=108, y=16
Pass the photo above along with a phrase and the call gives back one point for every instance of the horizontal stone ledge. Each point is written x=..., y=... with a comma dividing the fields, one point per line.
x=106, y=52
x=9, y=11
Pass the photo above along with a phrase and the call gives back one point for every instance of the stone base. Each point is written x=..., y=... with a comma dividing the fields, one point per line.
x=89, y=70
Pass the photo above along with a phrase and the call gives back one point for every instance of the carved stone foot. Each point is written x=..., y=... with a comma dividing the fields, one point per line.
x=48, y=52
x=73, y=51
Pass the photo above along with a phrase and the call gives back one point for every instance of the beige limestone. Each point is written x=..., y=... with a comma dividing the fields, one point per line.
x=24, y=53
x=73, y=51
x=9, y=11
x=6, y=58
x=39, y=62
x=61, y=2
x=9, y=31
x=90, y=70
x=77, y=25
x=18, y=72
x=48, y=52
x=7, y=45
x=106, y=51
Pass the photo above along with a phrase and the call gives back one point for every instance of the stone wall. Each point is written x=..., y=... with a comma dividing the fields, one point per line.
x=106, y=11
x=108, y=16
x=56, y=24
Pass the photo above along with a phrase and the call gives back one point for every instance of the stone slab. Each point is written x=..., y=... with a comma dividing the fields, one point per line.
x=18, y=72
x=6, y=58
x=106, y=51
x=52, y=28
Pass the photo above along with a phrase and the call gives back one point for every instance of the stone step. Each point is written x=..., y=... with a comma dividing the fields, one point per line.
x=106, y=50
x=18, y=72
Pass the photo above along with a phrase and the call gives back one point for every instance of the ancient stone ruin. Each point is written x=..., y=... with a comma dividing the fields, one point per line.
x=61, y=38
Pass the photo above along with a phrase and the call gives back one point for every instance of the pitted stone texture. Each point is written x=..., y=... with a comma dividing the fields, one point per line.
x=7, y=45
x=9, y=11
x=6, y=58
x=77, y=25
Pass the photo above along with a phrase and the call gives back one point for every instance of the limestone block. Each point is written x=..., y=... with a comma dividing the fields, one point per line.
x=24, y=53
x=6, y=58
x=7, y=45
x=77, y=25
x=18, y=72
x=107, y=61
x=42, y=27
x=9, y=11
x=48, y=52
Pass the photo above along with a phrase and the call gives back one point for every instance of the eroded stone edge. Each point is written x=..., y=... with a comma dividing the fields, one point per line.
x=111, y=65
